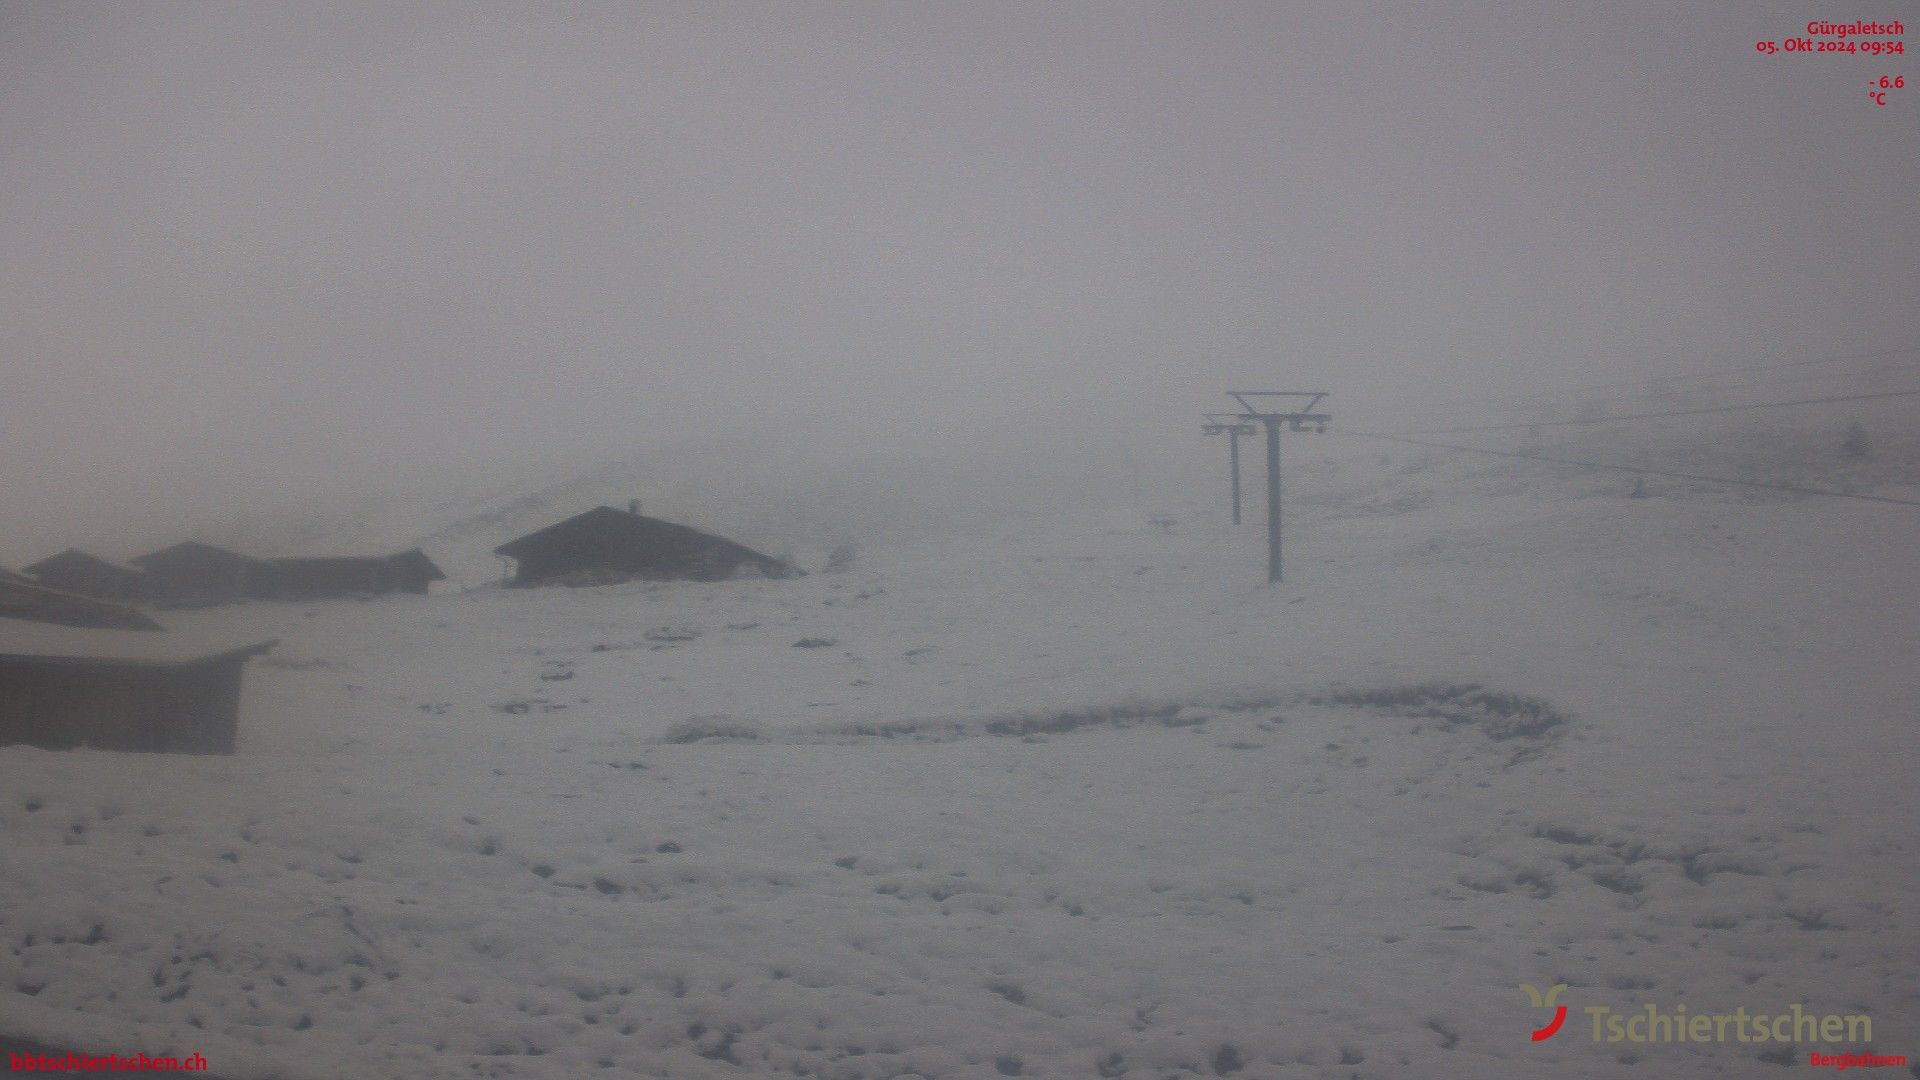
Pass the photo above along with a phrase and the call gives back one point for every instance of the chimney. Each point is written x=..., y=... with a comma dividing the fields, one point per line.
x=633, y=507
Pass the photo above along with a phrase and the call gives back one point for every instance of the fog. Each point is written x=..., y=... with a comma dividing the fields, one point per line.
x=718, y=571
x=264, y=260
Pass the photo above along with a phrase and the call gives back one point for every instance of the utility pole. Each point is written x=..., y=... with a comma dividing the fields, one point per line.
x=1273, y=501
x=1229, y=425
x=1298, y=420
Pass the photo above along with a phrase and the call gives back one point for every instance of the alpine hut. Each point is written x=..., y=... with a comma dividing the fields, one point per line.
x=73, y=675
x=193, y=574
x=26, y=601
x=412, y=571
x=316, y=578
x=76, y=571
x=606, y=545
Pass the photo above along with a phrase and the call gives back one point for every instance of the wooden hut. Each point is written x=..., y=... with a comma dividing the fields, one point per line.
x=65, y=686
x=27, y=601
x=76, y=571
x=412, y=571
x=194, y=574
x=605, y=545
x=320, y=577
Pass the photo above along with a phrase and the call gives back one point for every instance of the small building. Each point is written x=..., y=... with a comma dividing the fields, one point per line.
x=605, y=545
x=318, y=578
x=76, y=571
x=412, y=571
x=193, y=574
x=24, y=600
x=64, y=687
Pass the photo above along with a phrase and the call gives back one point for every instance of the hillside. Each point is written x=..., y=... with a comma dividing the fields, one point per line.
x=1068, y=796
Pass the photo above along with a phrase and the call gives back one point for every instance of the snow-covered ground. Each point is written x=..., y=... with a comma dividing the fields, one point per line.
x=1070, y=798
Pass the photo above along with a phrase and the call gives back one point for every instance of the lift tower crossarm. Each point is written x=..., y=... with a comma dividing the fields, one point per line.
x=1232, y=426
x=1304, y=415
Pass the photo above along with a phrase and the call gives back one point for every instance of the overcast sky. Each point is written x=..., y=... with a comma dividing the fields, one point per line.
x=270, y=254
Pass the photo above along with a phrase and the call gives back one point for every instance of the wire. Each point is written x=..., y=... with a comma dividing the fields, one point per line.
x=1749, y=382
x=1725, y=389
x=1717, y=372
x=1675, y=380
x=1675, y=412
x=1795, y=488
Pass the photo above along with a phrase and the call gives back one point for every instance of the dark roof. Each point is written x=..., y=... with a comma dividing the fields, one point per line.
x=190, y=553
x=650, y=539
x=416, y=562
x=327, y=562
x=74, y=558
x=411, y=563
x=34, y=603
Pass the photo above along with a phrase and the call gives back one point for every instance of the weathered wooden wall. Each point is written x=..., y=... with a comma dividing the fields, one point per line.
x=62, y=704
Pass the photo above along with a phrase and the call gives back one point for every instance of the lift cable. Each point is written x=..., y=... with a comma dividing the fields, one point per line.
x=1714, y=373
x=1794, y=488
x=1673, y=412
x=1675, y=381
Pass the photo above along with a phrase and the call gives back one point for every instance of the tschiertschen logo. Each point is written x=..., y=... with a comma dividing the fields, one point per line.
x=1546, y=1002
x=1651, y=1022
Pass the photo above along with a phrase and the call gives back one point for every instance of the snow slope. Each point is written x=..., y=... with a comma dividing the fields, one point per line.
x=1078, y=797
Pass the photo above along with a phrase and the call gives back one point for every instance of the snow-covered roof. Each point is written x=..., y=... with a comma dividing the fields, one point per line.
x=27, y=601
x=47, y=641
